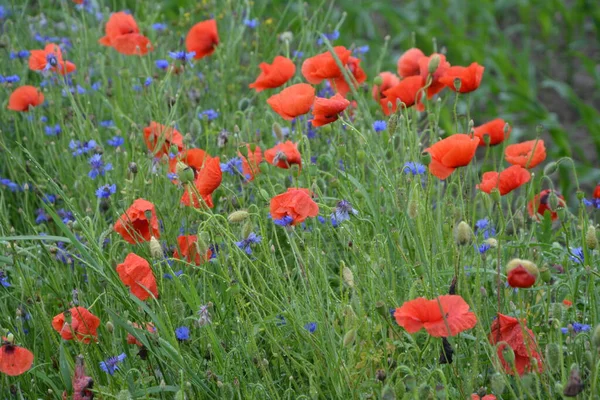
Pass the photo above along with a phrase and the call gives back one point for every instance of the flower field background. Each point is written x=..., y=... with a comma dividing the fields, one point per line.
x=288, y=200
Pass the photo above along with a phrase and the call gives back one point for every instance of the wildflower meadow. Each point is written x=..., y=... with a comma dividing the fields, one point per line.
x=292, y=200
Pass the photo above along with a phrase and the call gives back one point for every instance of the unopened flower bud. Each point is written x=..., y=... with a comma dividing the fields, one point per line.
x=378, y=80
x=425, y=158
x=388, y=393
x=243, y=104
x=425, y=391
x=550, y=168
x=495, y=195
x=457, y=84
x=110, y=327
x=238, y=216
x=392, y=123
x=596, y=336
x=155, y=248
x=184, y=172
x=434, y=63
x=553, y=200
x=497, y=383
x=508, y=354
x=463, y=233
x=580, y=195
x=349, y=338
x=10, y=338
x=553, y=355
x=545, y=274
x=247, y=229
x=591, y=240
x=521, y=273
x=574, y=385
x=278, y=131
x=133, y=169
x=492, y=242
x=380, y=375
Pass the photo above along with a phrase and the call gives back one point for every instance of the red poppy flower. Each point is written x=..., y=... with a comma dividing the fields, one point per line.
x=135, y=272
x=207, y=180
x=323, y=66
x=82, y=384
x=132, y=339
x=443, y=316
x=123, y=34
x=82, y=327
x=538, y=206
x=275, y=74
x=284, y=155
x=408, y=63
x=388, y=80
x=567, y=303
x=494, y=130
x=78, y=1
x=50, y=59
x=14, y=360
x=193, y=158
x=520, y=277
x=596, y=193
x=326, y=111
x=188, y=245
x=132, y=45
x=448, y=154
x=436, y=86
x=202, y=38
x=250, y=162
x=475, y=396
x=293, y=101
x=159, y=138
x=25, y=97
x=295, y=204
x=470, y=77
x=408, y=91
x=139, y=223
x=527, y=154
x=506, y=181
x=340, y=85
x=520, y=339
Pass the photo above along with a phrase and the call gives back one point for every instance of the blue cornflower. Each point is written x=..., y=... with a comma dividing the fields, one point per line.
x=592, y=203
x=4, y=279
x=62, y=254
x=321, y=219
x=182, y=55
x=9, y=79
x=109, y=123
x=330, y=36
x=137, y=88
x=43, y=119
x=96, y=86
x=327, y=90
x=159, y=27
x=111, y=363
x=246, y=243
x=65, y=215
x=204, y=316
x=576, y=327
x=19, y=54
x=80, y=148
x=176, y=274
x=285, y=221
x=361, y=49
x=116, y=141
x=49, y=198
x=483, y=248
x=52, y=130
x=311, y=327
x=280, y=320
x=148, y=81
x=3, y=12
x=379, y=126
x=104, y=192
x=233, y=166
x=98, y=166
x=209, y=114
x=182, y=333
x=482, y=224
x=342, y=212
x=172, y=176
x=41, y=216
x=413, y=168
x=12, y=186
x=162, y=64
x=251, y=23
x=297, y=54
x=577, y=255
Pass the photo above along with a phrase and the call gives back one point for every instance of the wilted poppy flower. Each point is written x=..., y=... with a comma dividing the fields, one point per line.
x=139, y=223
x=123, y=34
x=159, y=138
x=527, y=154
x=14, y=360
x=425, y=63
x=443, y=316
x=506, y=181
x=520, y=339
x=448, y=154
x=82, y=326
x=408, y=91
x=193, y=158
x=388, y=80
x=521, y=273
x=275, y=74
x=207, y=180
x=135, y=272
x=323, y=66
x=494, y=130
x=190, y=251
x=470, y=77
x=475, y=396
x=25, y=97
x=293, y=101
x=284, y=155
x=250, y=162
x=82, y=384
x=202, y=38
x=294, y=205
x=326, y=111
x=538, y=206
x=408, y=63
x=340, y=85
x=50, y=59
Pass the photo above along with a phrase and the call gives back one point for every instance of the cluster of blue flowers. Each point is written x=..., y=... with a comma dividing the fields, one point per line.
x=245, y=244
x=10, y=79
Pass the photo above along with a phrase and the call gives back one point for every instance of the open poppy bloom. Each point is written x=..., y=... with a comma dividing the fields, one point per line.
x=436, y=86
x=443, y=316
x=506, y=181
x=538, y=206
x=25, y=97
x=408, y=63
x=448, y=154
x=193, y=158
x=340, y=85
x=82, y=326
x=521, y=273
x=323, y=66
x=520, y=339
x=275, y=74
x=284, y=155
x=470, y=77
x=494, y=130
x=293, y=101
x=325, y=111
x=250, y=162
x=190, y=251
x=14, y=360
x=159, y=138
x=123, y=34
x=139, y=223
x=408, y=92
x=207, y=180
x=388, y=80
x=135, y=272
x=50, y=59
x=202, y=39
x=132, y=339
x=527, y=154
x=293, y=207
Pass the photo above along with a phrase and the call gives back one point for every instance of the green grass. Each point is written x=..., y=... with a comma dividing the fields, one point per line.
x=400, y=245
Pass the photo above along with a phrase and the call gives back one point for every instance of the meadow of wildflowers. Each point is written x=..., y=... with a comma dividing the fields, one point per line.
x=243, y=203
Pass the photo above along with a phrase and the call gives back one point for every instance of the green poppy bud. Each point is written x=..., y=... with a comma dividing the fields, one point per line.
x=550, y=168
x=378, y=80
x=497, y=383
x=238, y=216
x=155, y=248
x=434, y=63
x=184, y=173
x=463, y=233
x=596, y=336
x=553, y=356
x=388, y=393
x=591, y=239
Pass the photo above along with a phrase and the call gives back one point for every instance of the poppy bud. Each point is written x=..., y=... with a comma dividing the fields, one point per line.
x=553, y=201
x=341, y=150
x=434, y=63
x=550, y=168
x=463, y=233
x=180, y=395
x=596, y=336
x=440, y=392
x=278, y=132
x=360, y=156
x=184, y=173
x=580, y=195
x=349, y=338
x=201, y=242
x=574, y=385
x=545, y=274
x=392, y=124
x=508, y=354
x=238, y=216
x=495, y=194
x=10, y=338
x=413, y=209
x=424, y=391
x=124, y=395
x=497, y=383
x=457, y=84
x=384, y=312
x=264, y=194
x=521, y=273
x=378, y=80
x=174, y=149
x=348, y=276
x=243, y=104
x=155, y=248
x=590, y=238
x=562, y=213
x=410, y=382
x=553, y=356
